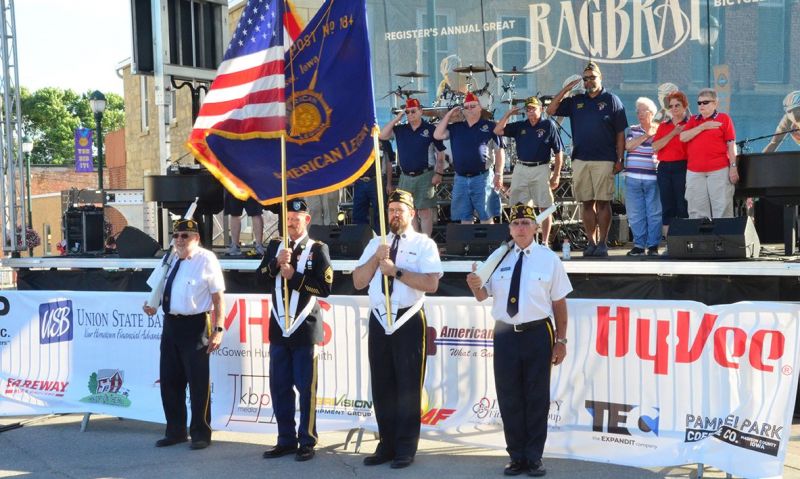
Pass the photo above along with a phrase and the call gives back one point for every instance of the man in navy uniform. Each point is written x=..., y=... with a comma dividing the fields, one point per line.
x=306, y=268
x=526, y=342
x=396, y=353
x=535, y=138
x=415, y=143
x=598, y=125
x=192, y=331
x=473, y=142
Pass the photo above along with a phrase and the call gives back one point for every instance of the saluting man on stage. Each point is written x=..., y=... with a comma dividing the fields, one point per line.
x=415, y=143
x=525, y=342
x=397, y=347
x=306, y=266
x=192, y=331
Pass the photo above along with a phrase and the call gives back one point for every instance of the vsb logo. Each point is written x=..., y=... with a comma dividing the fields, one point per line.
x=616, y=418
x=55, y=321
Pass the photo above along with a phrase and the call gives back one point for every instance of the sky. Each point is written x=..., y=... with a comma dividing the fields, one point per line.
x=75, y=44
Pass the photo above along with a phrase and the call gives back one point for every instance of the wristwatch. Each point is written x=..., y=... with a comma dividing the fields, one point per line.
x=219, y=329
x=562, y=341
x=399, y=273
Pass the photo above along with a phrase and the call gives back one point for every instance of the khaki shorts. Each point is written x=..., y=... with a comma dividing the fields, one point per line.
x=531, y=183
x=593, y=180
x=421, y=189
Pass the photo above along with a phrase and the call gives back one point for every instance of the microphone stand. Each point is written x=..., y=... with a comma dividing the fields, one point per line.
x=744, y=145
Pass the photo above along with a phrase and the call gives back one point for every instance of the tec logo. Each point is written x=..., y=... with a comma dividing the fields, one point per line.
x=626, y=419
x=55, y=321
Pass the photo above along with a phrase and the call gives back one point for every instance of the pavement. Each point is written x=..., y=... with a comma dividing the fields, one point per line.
x=54, y=447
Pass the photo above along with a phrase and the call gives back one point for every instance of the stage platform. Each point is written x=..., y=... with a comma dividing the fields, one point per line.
x=772, y=277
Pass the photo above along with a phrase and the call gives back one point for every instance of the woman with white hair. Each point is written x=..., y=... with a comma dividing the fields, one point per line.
x=642, y=201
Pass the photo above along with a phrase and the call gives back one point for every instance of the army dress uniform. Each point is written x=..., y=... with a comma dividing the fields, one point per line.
x=292, y=359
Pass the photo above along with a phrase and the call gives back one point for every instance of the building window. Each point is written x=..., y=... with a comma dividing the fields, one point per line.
x=430, y=62
x=173, y=105
x=773, y=41
x=515, y=54
x=145, y=105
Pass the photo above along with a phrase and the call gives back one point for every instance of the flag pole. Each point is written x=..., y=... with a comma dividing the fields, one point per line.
x=382, y=218
x=285, y=231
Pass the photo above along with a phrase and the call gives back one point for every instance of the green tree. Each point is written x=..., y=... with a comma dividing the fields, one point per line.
x=50, y=117
x=93, y=383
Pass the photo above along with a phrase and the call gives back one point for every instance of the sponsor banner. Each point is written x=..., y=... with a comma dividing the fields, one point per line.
x=645, y=383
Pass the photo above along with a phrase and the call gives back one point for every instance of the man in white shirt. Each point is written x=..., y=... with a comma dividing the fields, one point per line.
x=396, y=355
x=525, y=342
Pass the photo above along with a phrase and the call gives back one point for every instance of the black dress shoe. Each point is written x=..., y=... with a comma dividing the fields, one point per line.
x=199, y=445
x=170, y=441
x=304, y=453
x=401, y=462
x=515, y=468
x=376, y=459
x=279, y=451
x=537, y=469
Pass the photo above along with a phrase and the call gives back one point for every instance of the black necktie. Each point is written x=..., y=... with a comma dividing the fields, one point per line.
x=512, y=307
x=168, y=286
x=295, y=254
x=393, y=257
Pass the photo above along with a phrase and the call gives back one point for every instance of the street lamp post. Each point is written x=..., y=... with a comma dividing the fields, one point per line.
x=98, y=103
x=27, y=148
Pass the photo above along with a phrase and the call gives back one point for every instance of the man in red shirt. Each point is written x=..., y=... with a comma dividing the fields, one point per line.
x=711, y=151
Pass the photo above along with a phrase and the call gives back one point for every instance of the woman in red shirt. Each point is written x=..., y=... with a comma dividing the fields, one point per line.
x=711, y=150
x=671, y=153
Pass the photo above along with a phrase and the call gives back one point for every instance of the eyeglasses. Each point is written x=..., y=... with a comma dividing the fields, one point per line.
x=590, y=78
x=704, y=102
x=410, y=111
x=396, y=211
x=180, y=235
x=676, y=105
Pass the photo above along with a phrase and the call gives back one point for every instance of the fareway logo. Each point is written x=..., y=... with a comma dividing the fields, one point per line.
x=48, y=388
x=731, y=345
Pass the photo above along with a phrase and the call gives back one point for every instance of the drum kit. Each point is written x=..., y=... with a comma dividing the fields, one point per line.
x=449, y=97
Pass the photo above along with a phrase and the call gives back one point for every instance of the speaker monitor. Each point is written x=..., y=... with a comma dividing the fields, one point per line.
x=713, y=239
x=345, y=241
x=83, y=230
x=475, y=240
x=135, y=243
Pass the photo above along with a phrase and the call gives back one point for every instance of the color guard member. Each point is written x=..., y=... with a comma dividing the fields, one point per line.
x=526, y=343
x=306, y=266
x=397, y=351
x=192, y=331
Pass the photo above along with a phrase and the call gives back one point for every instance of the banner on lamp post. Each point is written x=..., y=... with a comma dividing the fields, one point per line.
x=83, y=151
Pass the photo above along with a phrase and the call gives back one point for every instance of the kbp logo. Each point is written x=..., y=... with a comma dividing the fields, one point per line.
x=616, y=418
x=55, y=321
x=729, y=343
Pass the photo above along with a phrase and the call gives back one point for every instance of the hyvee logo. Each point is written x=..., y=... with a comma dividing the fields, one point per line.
x=257, y=313
x=615, y=418
x=729, y=343
x=55, y=321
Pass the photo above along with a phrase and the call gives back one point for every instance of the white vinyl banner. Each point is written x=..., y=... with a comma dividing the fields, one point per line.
x=645, y=383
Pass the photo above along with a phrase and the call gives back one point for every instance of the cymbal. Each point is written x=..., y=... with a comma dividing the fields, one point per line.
x=515, y=101
x=412, y=74
x=514, y=71
x=470, y=69
x=406, y=92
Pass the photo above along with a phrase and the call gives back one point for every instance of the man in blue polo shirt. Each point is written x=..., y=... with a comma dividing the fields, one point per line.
x=598, y=123
x=535, y=139
x=472, y=141
x=414, y=144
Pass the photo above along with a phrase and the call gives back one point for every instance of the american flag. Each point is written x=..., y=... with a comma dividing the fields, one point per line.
x=246, y=99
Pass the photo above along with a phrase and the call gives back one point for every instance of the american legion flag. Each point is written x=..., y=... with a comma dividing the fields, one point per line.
x=313, y=86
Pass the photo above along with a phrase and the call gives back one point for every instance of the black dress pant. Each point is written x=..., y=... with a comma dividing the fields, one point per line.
x=397, y=369
x=522, y=363
x=184, y=360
